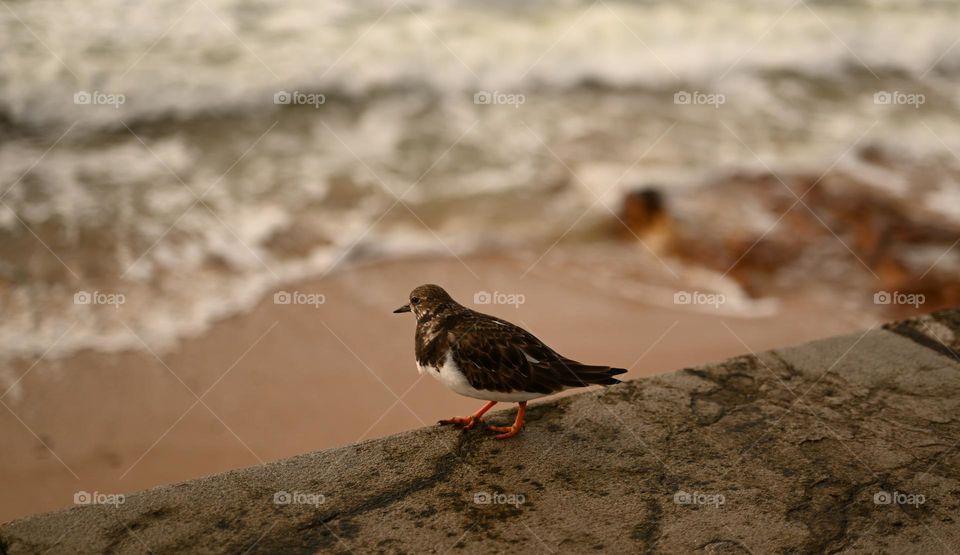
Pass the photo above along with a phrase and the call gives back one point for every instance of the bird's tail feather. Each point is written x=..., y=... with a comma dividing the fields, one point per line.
x=574, y=374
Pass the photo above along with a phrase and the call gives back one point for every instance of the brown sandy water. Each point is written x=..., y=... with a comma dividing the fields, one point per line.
x=286, y=379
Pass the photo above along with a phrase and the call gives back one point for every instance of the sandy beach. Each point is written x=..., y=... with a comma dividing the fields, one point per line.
x=287, y=379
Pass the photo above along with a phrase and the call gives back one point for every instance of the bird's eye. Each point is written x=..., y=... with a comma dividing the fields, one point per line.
x=415, y=300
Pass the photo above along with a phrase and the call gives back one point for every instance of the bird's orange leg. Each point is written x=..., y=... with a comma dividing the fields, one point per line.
x=468, y=422
x=510, y=431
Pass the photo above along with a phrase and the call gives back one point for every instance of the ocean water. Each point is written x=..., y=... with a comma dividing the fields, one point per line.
x=192, y=156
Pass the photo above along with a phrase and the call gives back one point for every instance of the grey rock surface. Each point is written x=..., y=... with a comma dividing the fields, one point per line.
x=847, y=444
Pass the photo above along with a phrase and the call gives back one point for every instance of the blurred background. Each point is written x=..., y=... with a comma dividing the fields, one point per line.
x=209, y=208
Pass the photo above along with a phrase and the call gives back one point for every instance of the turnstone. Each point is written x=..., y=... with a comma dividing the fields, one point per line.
x=480, y=356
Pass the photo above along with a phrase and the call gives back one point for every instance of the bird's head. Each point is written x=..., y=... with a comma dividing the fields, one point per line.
x=428, y=301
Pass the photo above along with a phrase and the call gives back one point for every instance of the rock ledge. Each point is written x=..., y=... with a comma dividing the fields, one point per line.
x=845, y=444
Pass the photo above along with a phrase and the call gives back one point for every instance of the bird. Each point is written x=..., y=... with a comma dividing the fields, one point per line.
x=487, y=358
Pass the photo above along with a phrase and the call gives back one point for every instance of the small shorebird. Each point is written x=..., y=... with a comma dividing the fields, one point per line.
x=487, y=358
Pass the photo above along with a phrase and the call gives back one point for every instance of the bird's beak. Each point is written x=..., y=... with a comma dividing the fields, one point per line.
x=404, y=308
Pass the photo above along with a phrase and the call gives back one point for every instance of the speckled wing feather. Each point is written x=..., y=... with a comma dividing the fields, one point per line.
x=495, y=355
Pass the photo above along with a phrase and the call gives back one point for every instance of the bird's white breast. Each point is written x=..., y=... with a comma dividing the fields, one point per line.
x=450, y=375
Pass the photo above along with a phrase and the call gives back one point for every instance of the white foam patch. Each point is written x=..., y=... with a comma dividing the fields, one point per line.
x=500, y=47
x=945, y=200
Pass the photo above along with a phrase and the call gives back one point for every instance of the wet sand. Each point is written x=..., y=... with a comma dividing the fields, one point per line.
x=288, y=379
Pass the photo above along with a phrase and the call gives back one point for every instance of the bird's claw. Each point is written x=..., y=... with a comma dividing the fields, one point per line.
x=505, y=431
x=465, y=422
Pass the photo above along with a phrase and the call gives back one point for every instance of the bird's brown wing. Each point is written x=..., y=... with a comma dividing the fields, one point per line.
x=495, y=355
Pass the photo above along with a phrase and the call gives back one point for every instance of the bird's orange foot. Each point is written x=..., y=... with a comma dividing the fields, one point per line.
x=510, y=431
x=506, y=431
x=465, y=422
